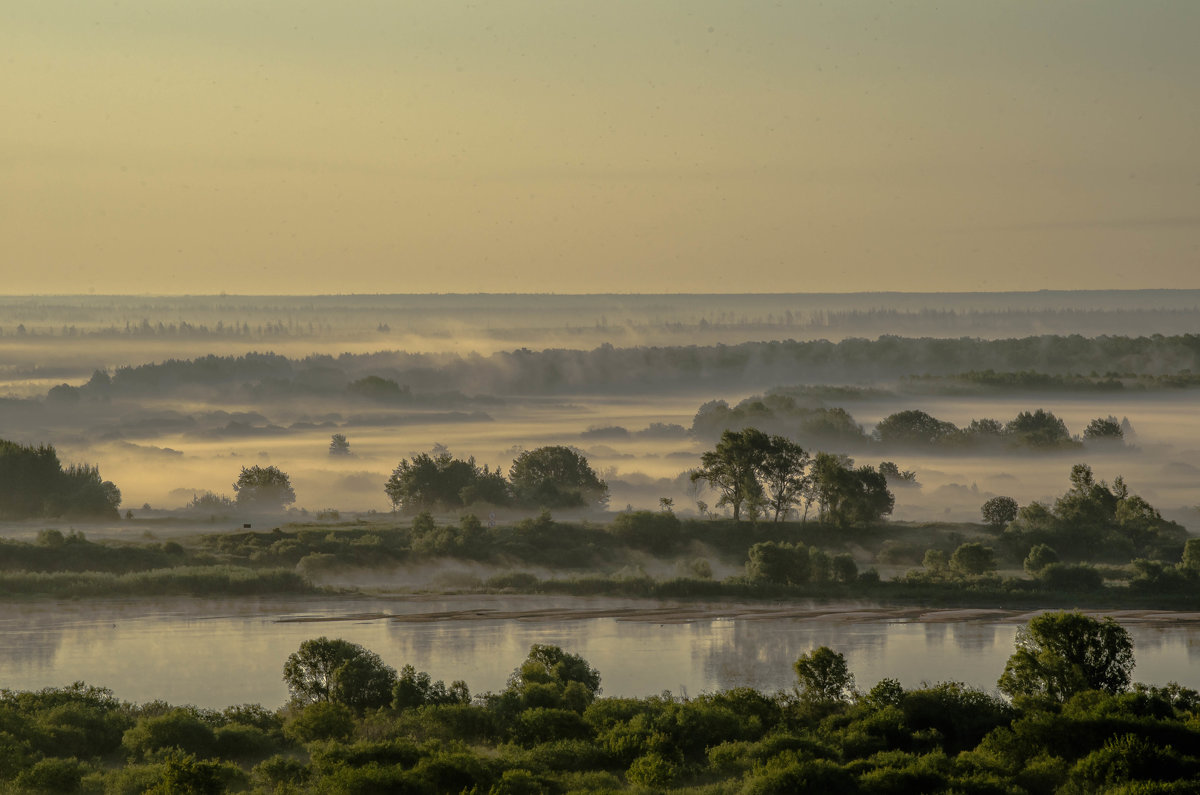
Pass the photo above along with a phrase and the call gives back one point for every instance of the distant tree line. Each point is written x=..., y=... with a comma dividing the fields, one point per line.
x=989, y=381
x=34, y=483
x=762, y=364
x=798, y=418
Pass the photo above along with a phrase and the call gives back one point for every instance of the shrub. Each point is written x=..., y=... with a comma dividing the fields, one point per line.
x=237, y=741
x=280, y=770
x=544, y=724
x=973, y=559
x=652, y=770
x=52, y=775
x=323, y=720
x=654, y=531
x=1040, y=556
x=1065, y=577
x=179, y=729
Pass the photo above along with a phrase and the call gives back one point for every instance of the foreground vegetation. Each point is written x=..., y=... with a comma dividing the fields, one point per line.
x=1069, y=721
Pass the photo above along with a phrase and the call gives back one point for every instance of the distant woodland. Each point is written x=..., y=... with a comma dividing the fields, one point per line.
x=1030, y=362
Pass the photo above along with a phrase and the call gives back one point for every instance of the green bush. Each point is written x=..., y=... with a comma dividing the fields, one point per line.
x=654, y=531
x=52, y=775
x=652, y=770
x=178, y=729
x=238, y=741
x=278, y=771
x=322, y=720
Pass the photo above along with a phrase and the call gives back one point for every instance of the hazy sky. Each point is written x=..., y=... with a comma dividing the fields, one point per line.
x=263, y=146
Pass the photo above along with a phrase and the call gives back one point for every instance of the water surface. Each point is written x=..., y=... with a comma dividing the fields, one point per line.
x=214, y=653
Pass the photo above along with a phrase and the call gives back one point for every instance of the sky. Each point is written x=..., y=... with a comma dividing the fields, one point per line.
x=257, y=146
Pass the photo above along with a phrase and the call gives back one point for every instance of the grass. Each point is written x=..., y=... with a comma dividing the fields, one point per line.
x=177, y=581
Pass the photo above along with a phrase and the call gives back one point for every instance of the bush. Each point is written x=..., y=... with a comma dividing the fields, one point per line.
x=237, y=741
x=973, y=559
x=323, y=720
x=178, y=729
x=1040, y=556
x=778, y=563
x=280, y=770
x=517, y=580
x=52, y=775
x=845, y=570
x=652, y=770
x=1064, y=577
x=544, y=724
x=653, y=531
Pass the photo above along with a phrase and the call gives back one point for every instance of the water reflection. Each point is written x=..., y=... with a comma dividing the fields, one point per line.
x=215, y=653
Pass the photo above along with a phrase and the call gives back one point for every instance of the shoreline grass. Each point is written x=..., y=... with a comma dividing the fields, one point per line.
x=176, y=581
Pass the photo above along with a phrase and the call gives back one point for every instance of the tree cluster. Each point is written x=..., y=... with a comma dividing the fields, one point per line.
x=770, y=475
x=548, y=477
x=1094, y=521
x=34, y=484
x=1037, y=430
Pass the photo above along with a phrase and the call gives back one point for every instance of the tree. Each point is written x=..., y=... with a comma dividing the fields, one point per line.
x=264, y=487
x=846, y=495
x=1039, y=429
x=382, y=390
x=900, y=477
x=823, y=676
x=552, y=678
x=999, y=511
x=778, y=562
x=339, y=671
x=914, y=428
x=732, y=467
x=339, y=444
x=1088, y=503
x=438, y=481
x=1191, y=555
x=935, y=560
x=1040, y=556
x=556, y=477
x=1104, y=430
x=985, y=429
x=1064, y=653
x=416, y=688
x=784, y=470
x=972, y=559
x=34, y=483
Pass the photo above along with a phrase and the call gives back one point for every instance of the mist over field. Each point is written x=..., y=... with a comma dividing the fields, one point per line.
x=172, y=396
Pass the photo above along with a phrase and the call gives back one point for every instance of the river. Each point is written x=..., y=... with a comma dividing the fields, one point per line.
x=214, y=653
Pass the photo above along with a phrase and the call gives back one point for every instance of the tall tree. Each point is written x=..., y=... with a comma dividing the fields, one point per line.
x=823, y=676
x=732, y=468
x=332, y=669
x=1061, y=654
x=784, y=470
